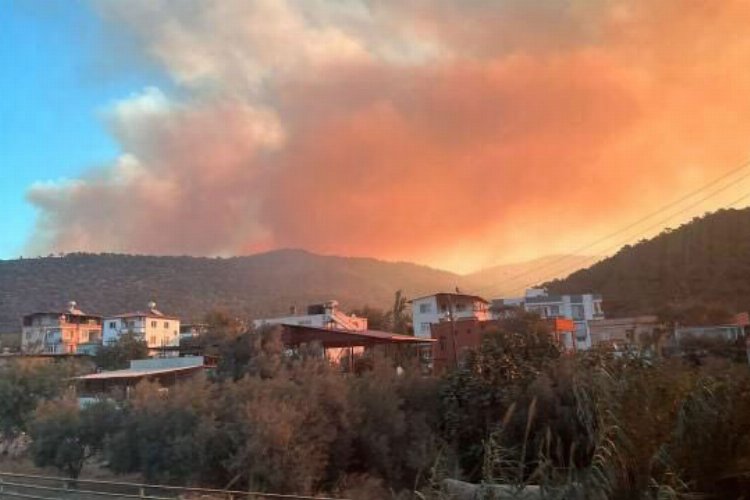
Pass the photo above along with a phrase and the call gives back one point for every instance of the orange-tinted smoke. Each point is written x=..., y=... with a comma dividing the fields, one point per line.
x=528, y=130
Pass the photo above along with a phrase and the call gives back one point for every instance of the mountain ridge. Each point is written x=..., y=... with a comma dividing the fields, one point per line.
x=705, y=261
x=263, y=284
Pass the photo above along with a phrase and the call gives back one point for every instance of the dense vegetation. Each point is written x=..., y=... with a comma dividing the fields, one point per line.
x=596, y=425
x=706, y=261
x=189, y=287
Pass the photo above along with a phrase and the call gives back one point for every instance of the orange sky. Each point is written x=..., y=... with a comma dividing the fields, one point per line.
x=457, y=134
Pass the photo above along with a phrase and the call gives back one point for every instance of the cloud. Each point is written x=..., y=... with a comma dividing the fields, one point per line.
x=453, y=133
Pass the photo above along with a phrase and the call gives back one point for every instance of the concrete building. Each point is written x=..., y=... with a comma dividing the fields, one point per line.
x=727, y=333
x=622, y=332
x=164, y=371
x=59, y=332
x=325, y=315
x=157, y=329
x=442, y=307
x=581, y=309
x=454, y=340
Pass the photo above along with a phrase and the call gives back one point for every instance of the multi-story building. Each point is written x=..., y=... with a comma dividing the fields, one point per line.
x=155, y=328
x=621, y=332
x=59, y=332
x=325, y=315
x=579, y=308
x=442, y=307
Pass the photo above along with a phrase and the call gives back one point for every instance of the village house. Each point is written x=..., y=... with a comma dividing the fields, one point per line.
x=622, y=332
x=59, y=332
x=442, y=307
x=728, y=332
x=580, y=308
x=152, y=326
x=326, y=315
x=342, y=337
x=164, y=371
x=455, y=339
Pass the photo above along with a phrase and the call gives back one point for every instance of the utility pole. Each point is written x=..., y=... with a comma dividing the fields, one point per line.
x=453, y=329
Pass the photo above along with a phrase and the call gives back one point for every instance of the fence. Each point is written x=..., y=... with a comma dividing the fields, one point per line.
x=37, y=487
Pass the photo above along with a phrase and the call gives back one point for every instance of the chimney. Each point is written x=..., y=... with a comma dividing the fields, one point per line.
x=72, y=306
x=151, y=305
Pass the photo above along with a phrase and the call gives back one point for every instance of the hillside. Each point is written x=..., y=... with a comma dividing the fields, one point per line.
x=261, y=284
x=704, y=261
x=508, y=280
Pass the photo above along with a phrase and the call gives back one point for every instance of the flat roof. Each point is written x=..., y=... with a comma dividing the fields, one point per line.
x=447, y=294
x=142, y=314
x=303, y=334
x=77, y=314
x=130, y=373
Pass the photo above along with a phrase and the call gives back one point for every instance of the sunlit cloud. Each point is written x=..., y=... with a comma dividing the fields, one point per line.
x=451, y=133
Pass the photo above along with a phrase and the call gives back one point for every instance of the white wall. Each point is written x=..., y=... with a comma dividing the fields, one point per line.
x=156, y=331
x=424, y=312
x=428, y=310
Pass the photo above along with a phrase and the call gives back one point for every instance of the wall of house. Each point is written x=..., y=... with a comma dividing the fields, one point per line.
x=58, y=333
x=468, y=335
x=435, y=309
x=622, y=330
x=156, y=331
x=331, y=319
x=424, y=312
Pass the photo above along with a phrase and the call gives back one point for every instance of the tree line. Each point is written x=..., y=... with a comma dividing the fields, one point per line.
x=517, y=411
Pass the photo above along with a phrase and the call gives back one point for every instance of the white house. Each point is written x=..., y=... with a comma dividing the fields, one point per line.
x=326, y=315
x=579, y=308
x=154, y=327
x=441, y=307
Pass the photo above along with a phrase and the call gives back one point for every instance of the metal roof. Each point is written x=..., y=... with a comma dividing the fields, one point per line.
x=129, y=373
x=302, y=334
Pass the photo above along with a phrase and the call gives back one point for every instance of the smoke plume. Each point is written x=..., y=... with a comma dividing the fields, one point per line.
x=447, y=132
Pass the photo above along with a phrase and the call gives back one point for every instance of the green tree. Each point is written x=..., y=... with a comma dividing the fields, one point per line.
x=377, y=319
x=65, y=436
x=397, y=318
x=23, y=384
x=117, y=356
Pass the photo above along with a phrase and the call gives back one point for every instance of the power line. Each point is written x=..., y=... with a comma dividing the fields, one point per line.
x=674, y=203
x=654, y=226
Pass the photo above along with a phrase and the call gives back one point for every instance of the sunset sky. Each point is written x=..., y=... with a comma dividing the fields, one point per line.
x=458, y=134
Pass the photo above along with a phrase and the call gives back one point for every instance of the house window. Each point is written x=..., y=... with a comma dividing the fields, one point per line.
x=425, y=308
x=425, y=327
x=166, y=324
x=153, y=324
x=152, y=340
x=442, y=343
x=554, y=311
x=460, y=307
x=113, y=324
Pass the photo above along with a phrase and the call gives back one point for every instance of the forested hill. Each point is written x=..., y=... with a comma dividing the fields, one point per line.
x=706, y=261
x=189, y=287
